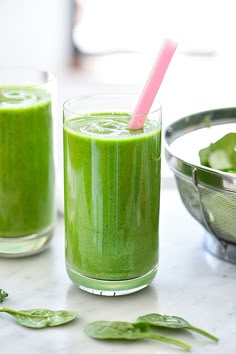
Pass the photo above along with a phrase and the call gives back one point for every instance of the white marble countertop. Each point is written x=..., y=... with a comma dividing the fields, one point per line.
x=190, y=283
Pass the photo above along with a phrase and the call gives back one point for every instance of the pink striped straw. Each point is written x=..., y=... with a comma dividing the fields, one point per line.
x=152, y=85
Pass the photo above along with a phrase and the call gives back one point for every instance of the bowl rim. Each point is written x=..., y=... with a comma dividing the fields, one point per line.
x=199, y=174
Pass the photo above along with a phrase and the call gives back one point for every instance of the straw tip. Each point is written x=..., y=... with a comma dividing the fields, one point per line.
x=171, y=41
x=169, y=46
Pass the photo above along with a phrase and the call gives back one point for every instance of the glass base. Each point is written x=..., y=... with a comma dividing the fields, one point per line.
x=25, y=245
x=111, y=287
x=221, y=249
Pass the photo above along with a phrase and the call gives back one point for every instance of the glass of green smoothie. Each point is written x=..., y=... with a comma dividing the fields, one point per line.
x=112, y=194
x=27, y=208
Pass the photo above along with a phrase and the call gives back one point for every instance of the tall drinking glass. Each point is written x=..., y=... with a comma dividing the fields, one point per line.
x=27, y=210
x=112, y=193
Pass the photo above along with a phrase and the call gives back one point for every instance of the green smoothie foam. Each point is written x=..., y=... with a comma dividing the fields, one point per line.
x=26, y=161
x=112, y=188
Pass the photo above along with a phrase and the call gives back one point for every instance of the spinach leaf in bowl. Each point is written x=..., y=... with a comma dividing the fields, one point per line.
x=220, y=155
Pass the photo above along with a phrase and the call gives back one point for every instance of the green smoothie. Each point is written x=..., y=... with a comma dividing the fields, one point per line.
x=26, y=161
x=112, y=188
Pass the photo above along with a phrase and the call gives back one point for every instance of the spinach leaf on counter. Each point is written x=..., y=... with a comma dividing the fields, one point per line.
x=174, y=322
x=3, y=295
x=40, y=318
x=220, y=155
x=128, y=331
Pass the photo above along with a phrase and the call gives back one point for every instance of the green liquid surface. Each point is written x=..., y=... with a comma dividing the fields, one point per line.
x=112, y=188
x=26, y=161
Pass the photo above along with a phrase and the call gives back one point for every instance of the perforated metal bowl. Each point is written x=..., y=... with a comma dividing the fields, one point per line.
x=209, y=195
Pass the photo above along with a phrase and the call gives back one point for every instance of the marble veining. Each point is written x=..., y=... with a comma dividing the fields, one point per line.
x=190, y=283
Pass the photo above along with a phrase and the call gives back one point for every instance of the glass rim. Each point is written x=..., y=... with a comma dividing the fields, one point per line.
x=80, y=97
x=50, y=75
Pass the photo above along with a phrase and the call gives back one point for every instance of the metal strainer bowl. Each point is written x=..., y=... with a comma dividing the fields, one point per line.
x=209, y=195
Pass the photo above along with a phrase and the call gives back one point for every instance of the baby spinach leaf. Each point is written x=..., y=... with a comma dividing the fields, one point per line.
x=40, y=318
x=175, y=322
x=128, y=331
x=155, y=319
x=112, y=330
x=3, y=295
x=220, y=155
